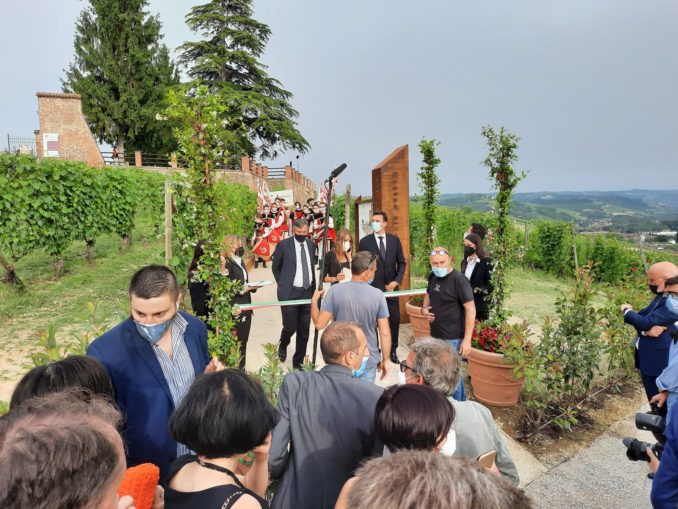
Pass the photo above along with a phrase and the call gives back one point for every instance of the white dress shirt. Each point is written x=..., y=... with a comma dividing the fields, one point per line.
x=376, y=237
x=299, y=274
x=471, y=262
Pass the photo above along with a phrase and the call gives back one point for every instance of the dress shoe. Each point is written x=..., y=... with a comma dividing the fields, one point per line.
x=394, y=358
x=282, y=354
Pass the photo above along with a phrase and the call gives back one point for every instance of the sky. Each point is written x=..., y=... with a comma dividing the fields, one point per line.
x=588, y=85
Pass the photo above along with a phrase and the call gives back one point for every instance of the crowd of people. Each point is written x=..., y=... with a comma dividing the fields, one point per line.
x=148, y=392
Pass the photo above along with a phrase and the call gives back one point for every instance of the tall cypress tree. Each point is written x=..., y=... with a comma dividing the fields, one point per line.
x=123, y=72
x=227, y=61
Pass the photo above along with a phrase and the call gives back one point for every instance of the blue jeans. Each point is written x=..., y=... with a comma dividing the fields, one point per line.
x=459, y=392
x=370, y=374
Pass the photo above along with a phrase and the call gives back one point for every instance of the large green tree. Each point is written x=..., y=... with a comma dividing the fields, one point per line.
x=123, y=72
x=226, y=60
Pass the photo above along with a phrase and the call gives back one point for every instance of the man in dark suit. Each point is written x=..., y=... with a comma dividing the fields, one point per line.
x=152, y=359
x=293, y=263
x=326, y=426
x=390, y=270
x=652, y=347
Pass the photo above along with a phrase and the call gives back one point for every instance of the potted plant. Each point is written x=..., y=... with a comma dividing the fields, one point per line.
x=494, y=364
x=499, y=350
x=421, y=327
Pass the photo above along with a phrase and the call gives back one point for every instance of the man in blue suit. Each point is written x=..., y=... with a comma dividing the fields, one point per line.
x=665, y=485
x=152, y=359
x=652, y=354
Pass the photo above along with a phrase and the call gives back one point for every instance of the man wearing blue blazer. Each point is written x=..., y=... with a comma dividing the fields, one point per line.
x=652, y=353
x=152, y=359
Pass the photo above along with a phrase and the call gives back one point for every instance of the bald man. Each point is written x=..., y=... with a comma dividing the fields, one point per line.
x=652, y=347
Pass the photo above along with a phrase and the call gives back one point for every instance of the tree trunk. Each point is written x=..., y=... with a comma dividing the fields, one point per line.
x=125, y=243
x=58, y=267
x=89, y=252
x=10, y=276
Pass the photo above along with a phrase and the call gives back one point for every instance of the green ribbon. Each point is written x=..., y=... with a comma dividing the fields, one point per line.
x=300, y=302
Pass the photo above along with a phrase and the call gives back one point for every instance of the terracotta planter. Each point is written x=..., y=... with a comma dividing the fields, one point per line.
x=492, y=379
x=421, y=327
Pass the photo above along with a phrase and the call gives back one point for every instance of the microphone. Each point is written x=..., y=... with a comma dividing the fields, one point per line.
x=337, y=171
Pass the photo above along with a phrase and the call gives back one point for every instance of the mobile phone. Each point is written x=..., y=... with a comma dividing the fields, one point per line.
x=486, y=460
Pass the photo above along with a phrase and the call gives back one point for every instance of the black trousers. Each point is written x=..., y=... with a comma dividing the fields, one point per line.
x=242, y=330
x=296, y=319
x=650, y=386
x=393, y=321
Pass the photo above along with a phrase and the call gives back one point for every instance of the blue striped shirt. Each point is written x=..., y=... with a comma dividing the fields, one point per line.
x=178, y=369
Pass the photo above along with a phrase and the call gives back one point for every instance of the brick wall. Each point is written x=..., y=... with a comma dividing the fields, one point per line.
x=62, y=114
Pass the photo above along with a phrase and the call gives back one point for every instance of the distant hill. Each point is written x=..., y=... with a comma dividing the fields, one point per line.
x=634, y=210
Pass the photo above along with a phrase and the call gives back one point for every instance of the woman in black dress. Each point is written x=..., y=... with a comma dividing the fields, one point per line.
x=339, y=258
x=477, y=267
x=223, y=417
x=234, y=267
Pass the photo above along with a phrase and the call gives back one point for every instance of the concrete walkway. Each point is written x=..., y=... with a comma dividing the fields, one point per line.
x=599, y=477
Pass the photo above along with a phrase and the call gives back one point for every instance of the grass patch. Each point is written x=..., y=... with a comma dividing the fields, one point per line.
x=63, y=302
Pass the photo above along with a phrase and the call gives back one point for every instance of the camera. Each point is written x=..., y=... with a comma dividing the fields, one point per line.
x=636, y=449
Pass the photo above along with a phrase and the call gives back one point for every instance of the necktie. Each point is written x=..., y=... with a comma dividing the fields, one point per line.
x=304, y=268
x=382, y=248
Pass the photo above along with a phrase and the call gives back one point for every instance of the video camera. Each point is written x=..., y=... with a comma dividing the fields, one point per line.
x=636, y=449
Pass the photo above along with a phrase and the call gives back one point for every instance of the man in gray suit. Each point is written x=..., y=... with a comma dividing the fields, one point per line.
x=326, y=426
x=435, y=363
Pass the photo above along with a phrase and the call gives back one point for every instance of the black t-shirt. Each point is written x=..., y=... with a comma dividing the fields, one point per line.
x=448, y=295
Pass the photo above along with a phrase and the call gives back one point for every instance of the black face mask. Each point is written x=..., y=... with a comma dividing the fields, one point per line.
x=240, y=251
x=468, y=251
x=653, y=289
x=299, y=238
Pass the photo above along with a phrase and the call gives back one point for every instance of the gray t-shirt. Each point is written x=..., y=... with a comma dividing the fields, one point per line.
x=358, y=302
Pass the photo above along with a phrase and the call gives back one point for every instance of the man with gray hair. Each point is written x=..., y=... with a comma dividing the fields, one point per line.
x=435, y=363
x=326, y=426
x=358, y=301
x=426, y=479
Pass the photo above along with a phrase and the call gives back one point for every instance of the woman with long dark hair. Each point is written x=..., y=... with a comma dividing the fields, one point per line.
x=477, y=267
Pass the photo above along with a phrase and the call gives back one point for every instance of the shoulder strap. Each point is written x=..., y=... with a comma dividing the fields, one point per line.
x=232, y=499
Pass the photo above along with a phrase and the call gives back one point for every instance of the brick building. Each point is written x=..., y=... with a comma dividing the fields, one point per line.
x=64, y=132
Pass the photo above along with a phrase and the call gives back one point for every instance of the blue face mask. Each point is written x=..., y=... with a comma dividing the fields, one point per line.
x=357, y=373
x=153, y=333
x=672, y=304
x=376, y=226
x=439, y=271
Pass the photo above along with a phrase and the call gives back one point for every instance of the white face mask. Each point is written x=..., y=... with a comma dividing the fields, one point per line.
x=347, y=245
x=402, y=379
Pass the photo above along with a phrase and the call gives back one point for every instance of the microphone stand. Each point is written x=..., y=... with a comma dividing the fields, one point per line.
x=330, y=182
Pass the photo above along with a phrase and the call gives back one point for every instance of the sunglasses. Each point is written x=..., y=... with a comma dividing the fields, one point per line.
x=439, y=252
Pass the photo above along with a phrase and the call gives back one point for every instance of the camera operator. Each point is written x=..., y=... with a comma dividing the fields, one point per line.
x=665, y=486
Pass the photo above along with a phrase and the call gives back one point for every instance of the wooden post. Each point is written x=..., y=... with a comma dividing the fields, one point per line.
x=642, y=253
x=574, y=244
x=347, y=208
x=525, y=250
x=168, y=222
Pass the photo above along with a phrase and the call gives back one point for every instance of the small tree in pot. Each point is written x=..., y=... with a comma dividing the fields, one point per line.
x=497, y=346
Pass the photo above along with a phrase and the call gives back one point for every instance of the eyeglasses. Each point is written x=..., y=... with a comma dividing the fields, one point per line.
x=439, y=252
x=404, y=367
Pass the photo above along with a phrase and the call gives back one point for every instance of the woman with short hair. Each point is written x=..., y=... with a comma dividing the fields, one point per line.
x=408, y=417
x=223, y=417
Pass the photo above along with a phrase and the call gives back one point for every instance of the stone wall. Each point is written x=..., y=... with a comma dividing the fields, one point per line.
x=251, y=172
x=61, y=115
